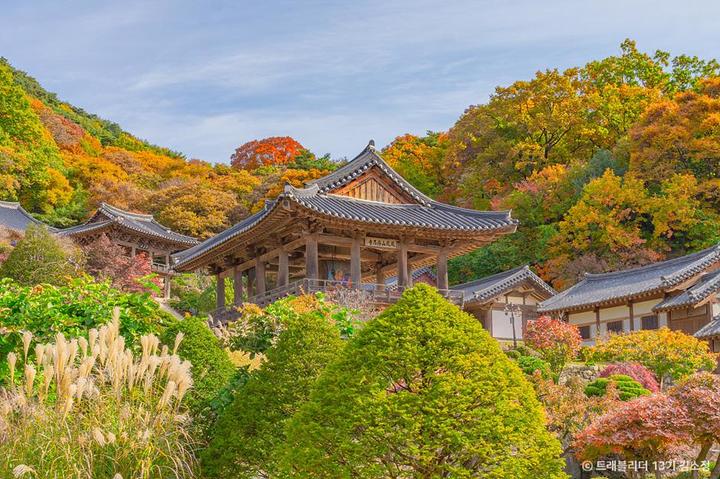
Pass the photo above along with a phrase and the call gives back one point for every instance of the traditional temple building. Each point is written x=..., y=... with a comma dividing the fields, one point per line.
x=14, y=217
x=680, y=293
x=354, y=227
x=137, y=233
x=505, y=302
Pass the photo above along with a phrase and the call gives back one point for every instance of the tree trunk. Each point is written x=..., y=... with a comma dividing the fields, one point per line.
x=715, y=473
x=702, y=455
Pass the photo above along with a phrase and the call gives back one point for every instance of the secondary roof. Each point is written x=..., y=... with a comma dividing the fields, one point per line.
x=486, y=289
x=14, y=217
x=108, y=215
x=619, y=286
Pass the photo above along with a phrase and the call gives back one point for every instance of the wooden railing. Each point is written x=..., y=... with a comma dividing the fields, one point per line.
x=372, y=293
x=159, y=268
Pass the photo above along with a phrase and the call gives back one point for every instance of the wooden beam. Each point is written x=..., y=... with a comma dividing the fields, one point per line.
x=337, y=240
x=289, y=247
x=632, y=315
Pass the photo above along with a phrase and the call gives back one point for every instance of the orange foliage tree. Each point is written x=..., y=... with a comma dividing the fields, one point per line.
x=276, y=150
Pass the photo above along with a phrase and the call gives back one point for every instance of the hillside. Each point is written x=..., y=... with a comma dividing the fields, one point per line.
x=612, y=164
x=60, y=162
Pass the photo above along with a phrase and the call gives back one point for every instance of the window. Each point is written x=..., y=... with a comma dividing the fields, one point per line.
x=615, y=327
x=716, y=345
x=584, y=332
x=649, y=322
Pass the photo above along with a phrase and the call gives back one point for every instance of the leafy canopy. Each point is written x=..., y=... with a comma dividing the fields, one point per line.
x=663, y=351
x=421, y=390
x=252, y=427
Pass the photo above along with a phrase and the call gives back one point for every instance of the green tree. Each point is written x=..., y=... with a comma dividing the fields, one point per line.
x=211, y=366
x=251, y=428
x=40, y=258
x=421, y=391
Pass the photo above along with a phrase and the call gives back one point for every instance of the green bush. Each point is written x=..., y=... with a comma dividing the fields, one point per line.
x=530, y=364
x=72, y=309
x=626, y=386
x=211, y=366
x=421, y=391
x=258, y=329
x=40, y=258
x=249, y=430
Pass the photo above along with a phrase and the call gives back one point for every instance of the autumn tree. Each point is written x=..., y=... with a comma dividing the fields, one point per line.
x=699, y=396
x=193, y=208
x=420, y=160
x=679, y=135
x=557, y=341
x=276, y=150
x=525, y=127
x=649, y=428
x=106, y=261
x=421, y=391
x=663, y=351
x=569, y=410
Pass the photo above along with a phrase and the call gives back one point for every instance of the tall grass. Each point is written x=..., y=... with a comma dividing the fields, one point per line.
x=89, y=408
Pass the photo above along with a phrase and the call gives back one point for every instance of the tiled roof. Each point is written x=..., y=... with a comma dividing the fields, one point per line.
x=434, y=215
x=485, y=289
x=707, y=284
x=427, y=214
x=359, y=165
x=416, y=274
x=108, y=215
x=710, y=329
x=13, y=216
x=596, y=289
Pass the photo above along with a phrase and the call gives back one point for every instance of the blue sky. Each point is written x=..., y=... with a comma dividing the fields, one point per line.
x=204, y=77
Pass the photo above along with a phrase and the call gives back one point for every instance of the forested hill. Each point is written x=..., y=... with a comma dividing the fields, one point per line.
x=612, y=164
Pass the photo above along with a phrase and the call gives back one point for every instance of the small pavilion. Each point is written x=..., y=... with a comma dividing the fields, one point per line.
x=136, y=233
x=354, y=228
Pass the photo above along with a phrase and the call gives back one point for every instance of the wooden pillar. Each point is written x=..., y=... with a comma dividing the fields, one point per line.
x=259, y=277
x=379, y=278
x=133, y=251
x=597, y=322
x=220, y=292
x=355, y=263
x=311, y=258
x=251, y=291
x=403, y=273
x=283, y=268
x=442, y=271
x=237, y=286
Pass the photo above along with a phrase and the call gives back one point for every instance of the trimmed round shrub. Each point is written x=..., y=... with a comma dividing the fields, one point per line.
x=636, y=371
x=627, y=387
x=421, y=391
x=211, y=366
x=530, y=364
x=249, y=430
